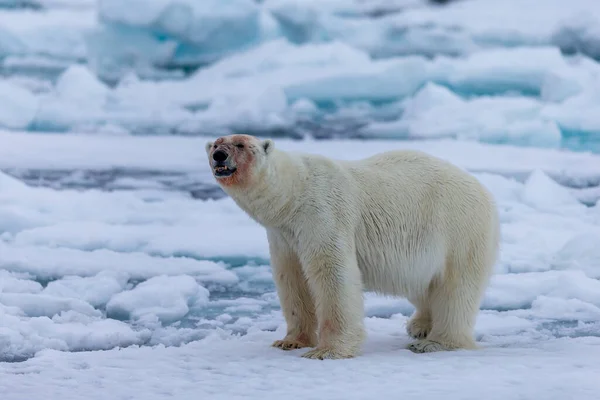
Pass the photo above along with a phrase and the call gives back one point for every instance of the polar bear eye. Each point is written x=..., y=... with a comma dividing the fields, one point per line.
x=239, y=146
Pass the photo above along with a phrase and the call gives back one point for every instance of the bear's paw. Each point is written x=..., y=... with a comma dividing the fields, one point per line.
x=418, y=328
x=290, y=344
x=327, y=353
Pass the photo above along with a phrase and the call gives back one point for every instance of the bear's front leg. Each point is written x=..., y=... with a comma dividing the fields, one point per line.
x=336, y=284
x=295, y=298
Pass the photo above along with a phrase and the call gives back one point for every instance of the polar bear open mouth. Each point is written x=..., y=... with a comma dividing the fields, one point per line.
x=224, y=171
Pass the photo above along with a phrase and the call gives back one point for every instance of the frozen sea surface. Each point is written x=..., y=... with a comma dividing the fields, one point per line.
x=125, y=272
x=140, y=288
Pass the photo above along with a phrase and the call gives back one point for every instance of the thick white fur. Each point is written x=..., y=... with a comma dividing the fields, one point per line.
x=399, y=223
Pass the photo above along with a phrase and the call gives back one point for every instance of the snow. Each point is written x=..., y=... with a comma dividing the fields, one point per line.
x=580, y=253
x=145, y=268
x=286, y=87
x=512, y=84
x=166, y=298
x=20, y=106
x=221, y=367
x=58, y=32
x=436, y=112
x=126, y=272
x=526, y=96
x=96, y=290
x=186, y=155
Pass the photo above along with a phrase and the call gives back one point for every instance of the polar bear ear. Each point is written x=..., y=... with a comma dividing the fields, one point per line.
x=268, y=146
x=207, y=147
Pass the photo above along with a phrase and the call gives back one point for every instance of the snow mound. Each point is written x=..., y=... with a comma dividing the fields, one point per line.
x=581, y=252
x=166, y=298
x=96, y=290
x=19, y=106
x=543, y=193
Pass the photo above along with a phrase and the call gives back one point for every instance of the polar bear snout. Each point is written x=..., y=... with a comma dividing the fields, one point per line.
x=222, y=164
x=219, y=156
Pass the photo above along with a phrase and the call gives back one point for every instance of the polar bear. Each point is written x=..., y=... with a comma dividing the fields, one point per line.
x=399, y=223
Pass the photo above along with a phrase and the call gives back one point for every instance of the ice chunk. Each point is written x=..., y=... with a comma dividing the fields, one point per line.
x=260, y=111
x=79, y=101
x=12, y=283
x=525, y=70
x=222, y=24
x=436, y=112
x=79, y=86
x=14, y=218
x=543, y=193
x=576, y=114
x=70, y=331
x=429, y=97
x=19, y=106
x=48, y=263
x=56, y=32
x=579, y=32
x=9, y=44
x=39, y=304
x=77, y=96
x=96, y=290
x=377, y=82
x=469, y=26
x=114, y=50
x=177, y=33
x=563, y=309
x=275, y=63
x=580, y=253
x=515, y=291
x=167, y=298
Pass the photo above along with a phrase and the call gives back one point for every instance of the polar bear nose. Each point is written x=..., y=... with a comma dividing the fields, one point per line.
x=219, y=156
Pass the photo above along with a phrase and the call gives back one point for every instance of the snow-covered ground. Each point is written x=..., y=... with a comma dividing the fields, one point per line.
x=146, y=264
x=125, y=272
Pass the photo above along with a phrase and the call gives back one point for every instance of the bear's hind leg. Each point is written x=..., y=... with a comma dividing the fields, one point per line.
x=336, y=284
x=454, y=302
x=296, y=301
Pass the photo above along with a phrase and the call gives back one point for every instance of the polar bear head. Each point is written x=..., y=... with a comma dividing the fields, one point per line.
x=236, y=160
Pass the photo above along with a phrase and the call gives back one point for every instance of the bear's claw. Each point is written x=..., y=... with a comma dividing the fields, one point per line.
x=289, y=344
x=426, y=346
x=418, y=328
